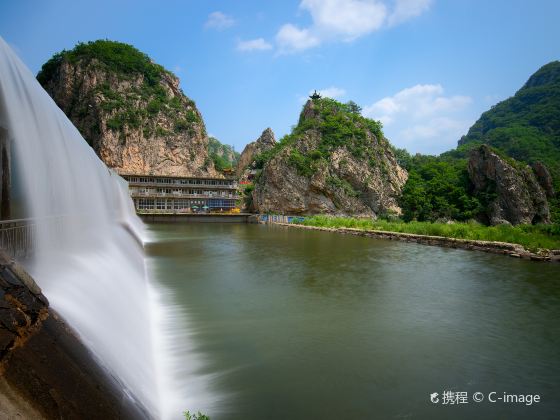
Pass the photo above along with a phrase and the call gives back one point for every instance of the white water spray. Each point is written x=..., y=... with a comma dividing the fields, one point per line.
x=89, y=260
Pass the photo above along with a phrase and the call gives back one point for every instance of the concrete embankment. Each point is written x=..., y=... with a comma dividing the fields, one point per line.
x=504, y=248
x=196, y=218
x=45, y=371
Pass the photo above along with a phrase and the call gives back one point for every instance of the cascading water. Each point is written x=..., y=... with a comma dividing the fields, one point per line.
x=89, y=259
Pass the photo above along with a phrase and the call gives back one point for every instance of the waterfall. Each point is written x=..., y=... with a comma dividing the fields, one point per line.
x=90, y=260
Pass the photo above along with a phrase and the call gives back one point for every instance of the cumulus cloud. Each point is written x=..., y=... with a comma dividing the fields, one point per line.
x=348, y=18
x=292, y=39
x=258, y=44
x=219, y=21
x=419, y=102
x=422, y=118
x=407, y=9
x=345, y=20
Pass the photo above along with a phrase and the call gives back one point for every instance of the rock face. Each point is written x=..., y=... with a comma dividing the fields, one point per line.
x=514, y=194
x=544, y=178
x=334, y=162
x=265, y=142
x=130, y=110
x=223, y=155
x=45, y=371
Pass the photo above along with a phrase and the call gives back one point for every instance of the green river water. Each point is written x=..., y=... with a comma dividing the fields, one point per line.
x=295, y=324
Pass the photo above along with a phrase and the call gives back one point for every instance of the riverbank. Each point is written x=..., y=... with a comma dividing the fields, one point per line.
x=495, y=247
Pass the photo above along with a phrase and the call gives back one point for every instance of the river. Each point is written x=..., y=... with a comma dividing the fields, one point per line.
x=298, y=324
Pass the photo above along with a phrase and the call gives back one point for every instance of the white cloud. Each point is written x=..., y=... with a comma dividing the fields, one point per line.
x=422, y=118
x=345, y=20
x=331, y=92
x=258, y=44
x=292, y=39
x=348, y=18
x=434, y=128
x=417, y=102
x=219, y=21
x=407, y=9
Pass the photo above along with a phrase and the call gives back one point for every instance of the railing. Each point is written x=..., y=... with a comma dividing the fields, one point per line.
x=279, y=218
x=178, y=184
x=142, y=194
x=227, y=210
x=18, y=238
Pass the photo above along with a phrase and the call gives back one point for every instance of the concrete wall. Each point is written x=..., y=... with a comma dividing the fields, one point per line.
x=195, y=218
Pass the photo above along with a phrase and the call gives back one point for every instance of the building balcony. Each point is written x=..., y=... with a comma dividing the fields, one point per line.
x=182, y=184
x=179, y=195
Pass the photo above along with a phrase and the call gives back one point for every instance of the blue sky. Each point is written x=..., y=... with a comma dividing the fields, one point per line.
x=426, y=68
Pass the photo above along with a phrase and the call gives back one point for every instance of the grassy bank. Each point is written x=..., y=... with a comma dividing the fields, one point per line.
x=531, y=237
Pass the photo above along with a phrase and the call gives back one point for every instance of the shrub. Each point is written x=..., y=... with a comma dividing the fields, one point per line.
x=198, y=416
x=531, y=237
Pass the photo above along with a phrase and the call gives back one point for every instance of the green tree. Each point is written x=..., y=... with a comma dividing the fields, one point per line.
x=353, y=107
x=438, y=189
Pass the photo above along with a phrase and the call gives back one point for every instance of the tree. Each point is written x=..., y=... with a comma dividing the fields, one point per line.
x=353, y=107
x=437, y=189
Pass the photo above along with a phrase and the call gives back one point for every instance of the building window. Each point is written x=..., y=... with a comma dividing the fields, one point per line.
x=145, y=204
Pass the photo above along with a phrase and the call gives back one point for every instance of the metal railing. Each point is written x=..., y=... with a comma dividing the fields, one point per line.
x=181, y=184
x=279, y=218
x=142, y=194
x=18, y=238
x=225, y=210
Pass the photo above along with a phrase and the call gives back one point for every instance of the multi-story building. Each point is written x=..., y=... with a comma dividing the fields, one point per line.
x=165, y=194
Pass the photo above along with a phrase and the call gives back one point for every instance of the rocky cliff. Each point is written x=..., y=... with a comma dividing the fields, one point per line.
x=246, y=161
x=510, y=189
x=223, y=155
x=335, y=161
x=129, y=109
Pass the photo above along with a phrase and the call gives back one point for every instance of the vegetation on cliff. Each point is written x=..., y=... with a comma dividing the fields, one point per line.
x=526, y=126
x=223, y=155
x=115, y=57
x=124, y=62
x=339, y=125
x=333, y=161
x=129, y=109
